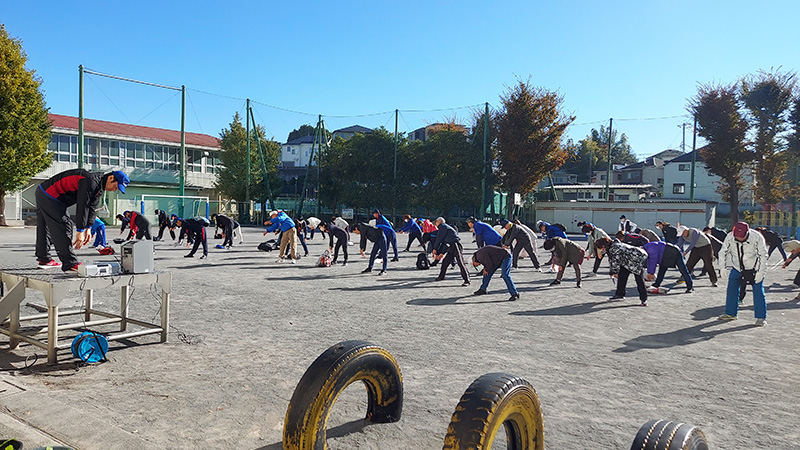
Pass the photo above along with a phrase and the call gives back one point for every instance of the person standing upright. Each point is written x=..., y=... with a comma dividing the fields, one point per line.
x=745, y=252
x=448, y=248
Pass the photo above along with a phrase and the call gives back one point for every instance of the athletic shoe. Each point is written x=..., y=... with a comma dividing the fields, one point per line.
x=189, y=256
x=344, y=263
x=280, y=260
x=204, y=257
x=293, y=261
x=74, y=268
x=367, y=270
x=439, y=279
x=555, y=283
x=617, y=297
x=690, y=290
x=394, y=259
x=514, y=298
x=727, y=317
x=479, y=292
x=590, y=274
x=760, y=322
x=713, y=284
x=680, y=281
x=644, y=302
x=50, y=264
x=382, y=272
x=466, y=283
x=578, y=285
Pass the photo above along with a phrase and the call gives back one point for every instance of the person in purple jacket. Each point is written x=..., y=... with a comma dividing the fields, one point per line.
x=665, y=255
x=493, y=257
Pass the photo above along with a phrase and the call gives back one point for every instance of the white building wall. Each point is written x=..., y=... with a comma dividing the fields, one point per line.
x=296, y=154
x=705, y=183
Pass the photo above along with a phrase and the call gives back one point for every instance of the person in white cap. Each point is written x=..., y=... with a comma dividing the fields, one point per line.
x=745, y=252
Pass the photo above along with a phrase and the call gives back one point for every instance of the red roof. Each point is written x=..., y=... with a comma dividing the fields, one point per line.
x=123, y=129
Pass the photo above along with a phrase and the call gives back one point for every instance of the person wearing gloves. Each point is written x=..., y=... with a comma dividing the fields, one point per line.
x=53, y=224
x=485, y=234
x=414, y=231
x=593, y=233
x=745, y=252
x=492, y=258
x=565, y=251
x=665, y=255
x=625, y=260
x=699, y=248
x=521, y=240
x=280, y=222
x=793, y=247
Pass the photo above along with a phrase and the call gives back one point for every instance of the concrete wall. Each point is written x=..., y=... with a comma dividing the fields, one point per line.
x=645, y=214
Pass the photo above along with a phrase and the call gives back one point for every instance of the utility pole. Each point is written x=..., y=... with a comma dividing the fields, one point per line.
x=80, y=117
x=610, y=143
x=683, y=140
x=182, y=188
x=247, y=177
x=694, y=160
x=394, y=172
x=485, y=163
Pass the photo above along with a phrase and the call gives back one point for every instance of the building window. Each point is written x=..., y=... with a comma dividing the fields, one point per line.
x=619, y=177
x=623, y=198
x=659, y=181
x=678, y=188
x=630, y=175
x=683, y=167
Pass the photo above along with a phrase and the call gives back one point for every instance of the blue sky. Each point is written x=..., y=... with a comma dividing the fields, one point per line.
x=355, y=62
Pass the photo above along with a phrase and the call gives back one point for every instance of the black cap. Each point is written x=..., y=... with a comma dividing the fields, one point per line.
x=622, y=217
x=376, y=211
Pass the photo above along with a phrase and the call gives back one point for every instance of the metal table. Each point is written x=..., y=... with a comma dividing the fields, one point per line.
x=56, y=285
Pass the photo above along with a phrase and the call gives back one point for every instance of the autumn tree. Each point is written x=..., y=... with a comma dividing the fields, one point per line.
x=530, y=124
x=720, y=122
x=768, y=100
x=24, y=121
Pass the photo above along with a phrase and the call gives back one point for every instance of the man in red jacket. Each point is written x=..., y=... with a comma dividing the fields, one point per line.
x=78, y=187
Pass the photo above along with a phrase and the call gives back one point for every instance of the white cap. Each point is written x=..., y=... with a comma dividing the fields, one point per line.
x=681, y=229
x=273, y=213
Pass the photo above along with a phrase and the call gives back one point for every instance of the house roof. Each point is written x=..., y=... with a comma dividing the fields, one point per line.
x=307, y=139
x=687, y=157
x=603, y=186
x=354, y=129
x=133, y=131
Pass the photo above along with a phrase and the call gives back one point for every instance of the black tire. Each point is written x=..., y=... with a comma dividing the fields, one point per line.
x=491, y=401
x=10, y=444
x=668, y=435
x=335, y=369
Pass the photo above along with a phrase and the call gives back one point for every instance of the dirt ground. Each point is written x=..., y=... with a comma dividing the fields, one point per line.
x=244, y=328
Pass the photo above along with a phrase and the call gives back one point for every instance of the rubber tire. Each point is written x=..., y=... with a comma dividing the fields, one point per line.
x=335, y=369
x=491, y=401
x=668, y=435
x=12, y=444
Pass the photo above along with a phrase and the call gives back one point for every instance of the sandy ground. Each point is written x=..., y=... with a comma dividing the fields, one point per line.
x=245, y=328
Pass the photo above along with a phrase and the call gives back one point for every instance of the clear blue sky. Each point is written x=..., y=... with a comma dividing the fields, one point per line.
x=355, y=62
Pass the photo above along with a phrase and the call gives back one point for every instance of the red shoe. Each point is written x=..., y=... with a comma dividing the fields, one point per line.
x=50, y=264
x=74, y=268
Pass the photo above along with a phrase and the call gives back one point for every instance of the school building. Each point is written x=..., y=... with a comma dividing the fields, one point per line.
x=150, y=157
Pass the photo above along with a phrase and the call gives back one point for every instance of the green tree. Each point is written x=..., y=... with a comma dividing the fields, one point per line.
x=720, y=122
x=24, y=121
x=621, y=152
x=768, y=99
x=304, y=130
x=476, y=140
x=585, y=157
x=793, y=145
x=530, y=125
x=232, y=178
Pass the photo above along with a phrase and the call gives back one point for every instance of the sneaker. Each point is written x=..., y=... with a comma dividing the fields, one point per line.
x=367, y=270
x=293, y=261
x=466, y=283
x=578, y=285
x=644, y=302
x=590, y=274
x=204, y=257
x=189, y=256
x=479, y=292
x=49, y=264
x=394, y=259
x=680, y=281
x=439, y=279
x=617, y=297
x=280, y=260
x=555, y=283
x=514, y=298
x=727, y=317
x=382, y=272
x=689, y=290
x=74, y=268
x=344, y=264
x=760, y=322
x=713, y=284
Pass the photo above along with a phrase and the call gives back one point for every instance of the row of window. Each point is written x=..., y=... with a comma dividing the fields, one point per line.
x=110, y=153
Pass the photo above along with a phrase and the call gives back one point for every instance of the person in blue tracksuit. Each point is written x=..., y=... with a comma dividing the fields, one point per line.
x=279, y=221
x=485, y=234
x=550, y=231
x=379, y=246
x=391, y=237
x=99, y=232
x=414, y=231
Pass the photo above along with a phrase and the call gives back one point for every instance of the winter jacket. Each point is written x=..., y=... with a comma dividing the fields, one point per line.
x=551, y=231
x=427, y=226
x=670, y=234
x=382, y=220
x=594, y=235
x=410, y=226
x=76, y=187
x=193, y=226
x=754, y=253
x=281, y=222
x=491, y=256
x=163, y=219
x=567, y=251
x=515, y=233
x=223, y=221
x=623, y=255
x=485, y=234
x=370, y=233
x=772, y=238
x=627, y=226
x=445, y=236
x=661, y=253
x=649, y=234
x=696, y=239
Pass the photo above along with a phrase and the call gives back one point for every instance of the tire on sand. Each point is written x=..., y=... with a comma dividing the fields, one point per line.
x=668, y=435
x=491, y=401
x=335, y=369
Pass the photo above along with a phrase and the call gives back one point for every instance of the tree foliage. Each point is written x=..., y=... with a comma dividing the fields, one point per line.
x=768, y=99
x=450, y=168
x=232, y=178
x=304, y=130
x=530, y=125
x=721, y=123
x=24, y=121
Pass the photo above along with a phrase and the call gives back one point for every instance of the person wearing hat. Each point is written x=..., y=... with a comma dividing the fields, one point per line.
x=745, y=252
x=793, y=247
x=492, y=258
x=447, y=248
x=699, y=248
x=78, y=187
x=521, y=240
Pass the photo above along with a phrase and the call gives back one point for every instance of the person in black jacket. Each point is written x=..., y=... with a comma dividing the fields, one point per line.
x=139, y=224
x=670, y=233
x=227, y=225
x=447, y=248
x=125, y=223
x=634, y=239
x=77, y=187
x=493, y=257
x=374, y=234
x=196, y=228
x=341, y=240
x=514, y=232
x=773, y=241
x=163, y=223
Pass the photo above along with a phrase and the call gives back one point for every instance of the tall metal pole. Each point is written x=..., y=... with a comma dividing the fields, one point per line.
x=263, y=163
x=80, y=117
x=394, y=171
x=247, y=176
x=319, y=161
x=308, y=167
x=483, y=166
x=182, y=178
x=683, y=140
x=610, y=143
x=694, y=159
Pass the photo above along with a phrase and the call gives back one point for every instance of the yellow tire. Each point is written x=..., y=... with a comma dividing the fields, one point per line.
x=335, y=369
x=492, y=401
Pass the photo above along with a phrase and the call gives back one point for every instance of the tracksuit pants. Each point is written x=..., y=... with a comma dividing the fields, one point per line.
x=454, y=253
x=53, y=225
x=380, y=247
x=200, y=238
x=528, y=248
x=705, y=253
x=414, y=235
x=622, y=281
